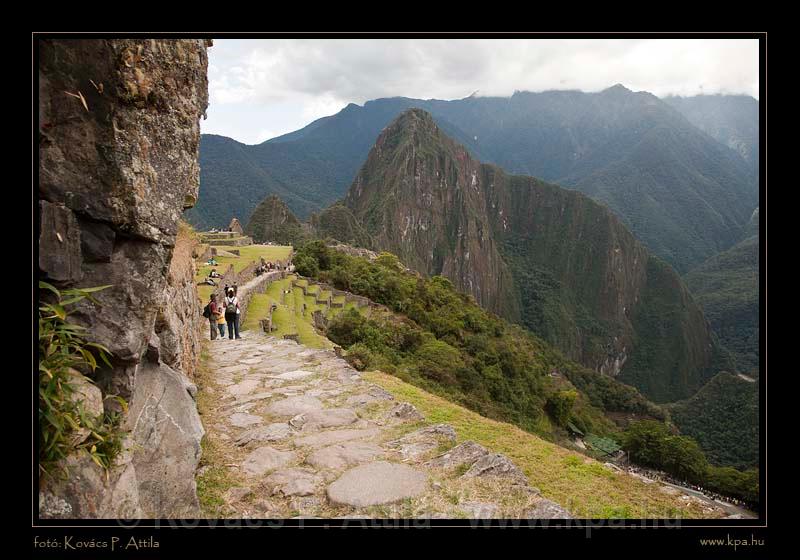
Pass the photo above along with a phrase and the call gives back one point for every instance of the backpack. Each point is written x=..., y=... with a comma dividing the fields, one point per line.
x=230, y=308
x=207, y=311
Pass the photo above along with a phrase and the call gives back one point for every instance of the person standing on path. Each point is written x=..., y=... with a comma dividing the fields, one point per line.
x=221, y=321
x=213, y=316
x=232, y=312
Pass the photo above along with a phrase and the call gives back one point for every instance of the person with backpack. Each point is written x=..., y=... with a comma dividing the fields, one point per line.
x=232, y=313
x=210, y=312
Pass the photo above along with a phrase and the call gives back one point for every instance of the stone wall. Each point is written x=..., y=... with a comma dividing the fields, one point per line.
x=258, y=285
x=118, y=147
x=349, y=297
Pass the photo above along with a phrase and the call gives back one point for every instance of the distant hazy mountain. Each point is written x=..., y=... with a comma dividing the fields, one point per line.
x=549, y=258
x=684, y=194
x=729, y=119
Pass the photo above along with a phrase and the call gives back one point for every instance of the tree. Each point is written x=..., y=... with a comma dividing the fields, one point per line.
x=306, y=265
x=439, y=361
x=643, y=441
x=560, y=404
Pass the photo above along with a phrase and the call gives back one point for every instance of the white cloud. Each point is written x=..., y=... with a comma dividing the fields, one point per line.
x=290, y=82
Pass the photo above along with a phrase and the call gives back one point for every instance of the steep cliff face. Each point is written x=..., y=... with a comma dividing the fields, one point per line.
x=417, y=195
x=577, y=269
x=119, y=137
x=549, y=258
x=338, y=222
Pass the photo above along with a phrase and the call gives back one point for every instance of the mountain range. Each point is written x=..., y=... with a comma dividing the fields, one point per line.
x=548, y=258
x=682, y=192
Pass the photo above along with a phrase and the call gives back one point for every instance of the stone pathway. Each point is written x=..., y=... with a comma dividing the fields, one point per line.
x=299, y=433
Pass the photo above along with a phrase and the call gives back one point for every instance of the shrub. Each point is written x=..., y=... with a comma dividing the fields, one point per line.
x=63, y=351
x=439, y=361
x=360, y=357
x=306, y=265
x=560, y=404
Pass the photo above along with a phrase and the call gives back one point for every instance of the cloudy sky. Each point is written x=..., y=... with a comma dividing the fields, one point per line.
x=262, y=88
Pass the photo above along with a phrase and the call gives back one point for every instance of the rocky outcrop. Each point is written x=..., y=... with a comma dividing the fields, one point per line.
x=119, y=137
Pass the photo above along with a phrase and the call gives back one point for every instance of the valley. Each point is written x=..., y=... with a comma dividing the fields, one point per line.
x=517, y=307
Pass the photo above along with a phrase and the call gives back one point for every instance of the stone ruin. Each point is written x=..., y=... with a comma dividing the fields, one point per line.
x=235, y=226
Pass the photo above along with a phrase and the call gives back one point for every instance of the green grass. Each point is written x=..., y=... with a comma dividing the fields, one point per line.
x=288, y=318
x=257, y=309
x=247, y=255
x=582, y=485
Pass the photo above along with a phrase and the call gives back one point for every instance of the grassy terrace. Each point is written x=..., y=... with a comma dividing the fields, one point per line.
x=248, y=255
x=289, y=316
x=581, y=484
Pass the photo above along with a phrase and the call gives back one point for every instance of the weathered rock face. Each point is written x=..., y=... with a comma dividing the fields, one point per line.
x=549, y=258
x=119, y=137
x=179, y=311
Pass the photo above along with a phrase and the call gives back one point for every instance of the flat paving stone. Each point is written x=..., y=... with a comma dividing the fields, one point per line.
x=243, y=420
x=343, y=455
x=293, y=406
x=250, y=398
x=271, y=432
x=245, y=387
x=294, y=375
x=266, y=459
x=377, y=483
x=251, y=361
x=326, y=418
x=335, y=436
x=232, y=369
x=293, y=482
